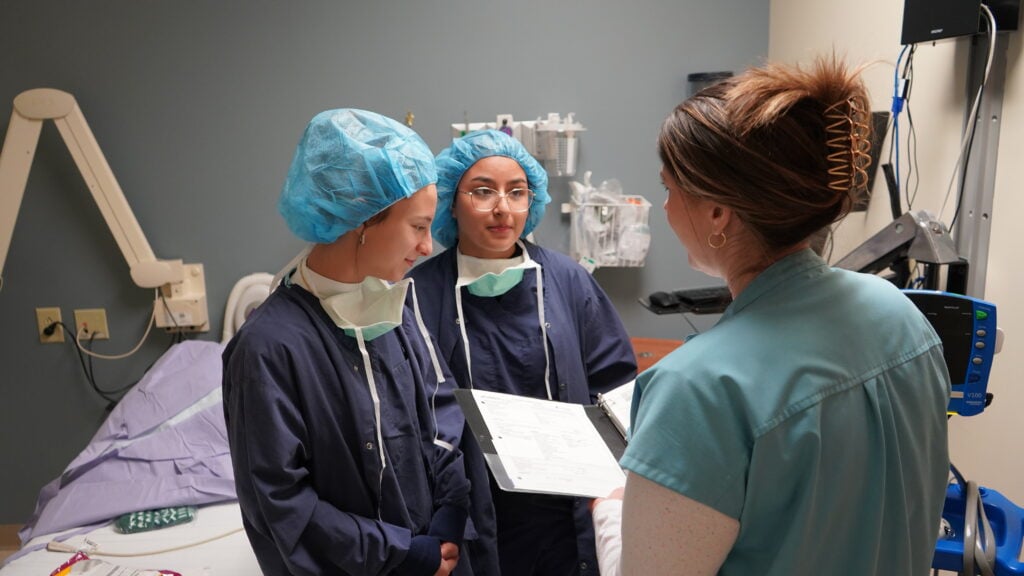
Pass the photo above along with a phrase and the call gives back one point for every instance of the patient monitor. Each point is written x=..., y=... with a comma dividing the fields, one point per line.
x=180, y=304
x=970, y=340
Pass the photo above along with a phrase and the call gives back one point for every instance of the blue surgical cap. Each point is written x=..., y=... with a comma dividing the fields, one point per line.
x=350, y=165
x=453, y=162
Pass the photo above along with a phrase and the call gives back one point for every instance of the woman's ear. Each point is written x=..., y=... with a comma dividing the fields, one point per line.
x=721, y=217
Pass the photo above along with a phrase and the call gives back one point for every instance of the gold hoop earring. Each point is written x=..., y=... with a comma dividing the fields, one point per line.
x=717, y=245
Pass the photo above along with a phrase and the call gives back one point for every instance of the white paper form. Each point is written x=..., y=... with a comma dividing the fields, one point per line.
x=548, y=447
x=617, y=403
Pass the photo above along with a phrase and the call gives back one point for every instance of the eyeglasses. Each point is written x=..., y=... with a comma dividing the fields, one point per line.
x=486, y=199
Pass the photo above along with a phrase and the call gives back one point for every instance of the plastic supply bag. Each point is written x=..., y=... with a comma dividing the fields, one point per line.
x=609, y=228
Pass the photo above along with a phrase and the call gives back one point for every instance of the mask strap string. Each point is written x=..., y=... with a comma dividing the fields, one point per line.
x=540, y=317
x=280, y=276
x=438, y=373
x=543, y=332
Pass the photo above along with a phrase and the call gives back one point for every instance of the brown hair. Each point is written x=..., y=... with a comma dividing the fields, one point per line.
x=378, y=217
x=785, y=148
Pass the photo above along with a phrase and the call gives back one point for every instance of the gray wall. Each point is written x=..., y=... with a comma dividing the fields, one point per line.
x=198, y=106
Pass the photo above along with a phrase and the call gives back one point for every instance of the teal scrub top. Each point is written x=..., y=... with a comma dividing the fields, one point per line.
x=814, y=413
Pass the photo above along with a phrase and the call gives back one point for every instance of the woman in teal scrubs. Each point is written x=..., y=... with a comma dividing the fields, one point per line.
x=805, y=433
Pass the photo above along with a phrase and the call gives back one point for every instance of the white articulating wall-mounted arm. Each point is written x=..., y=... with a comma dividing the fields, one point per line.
x=181, y=304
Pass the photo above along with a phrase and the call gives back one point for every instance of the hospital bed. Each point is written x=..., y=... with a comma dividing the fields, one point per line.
x=164, y=445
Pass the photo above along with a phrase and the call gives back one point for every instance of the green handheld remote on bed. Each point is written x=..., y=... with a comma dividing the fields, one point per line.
x=152, y=519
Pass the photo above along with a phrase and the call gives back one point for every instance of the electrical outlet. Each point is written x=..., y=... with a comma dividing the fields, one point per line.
x=44, y=318
x=91, y=324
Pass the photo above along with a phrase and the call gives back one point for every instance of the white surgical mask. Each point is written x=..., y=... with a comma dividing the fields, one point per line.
x=373, y=306
x=494, y=277
x=490, y=277
x=374, y=309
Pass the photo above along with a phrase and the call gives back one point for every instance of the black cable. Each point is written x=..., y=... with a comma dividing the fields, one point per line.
x=967, y=567
x=894, y=193
x=92, y=374
x=170, y=344
x=688, y=321
x=81, y=357
x=892, y=136
x=167, y=309
x=92, y=370
x=85, y=369
x=105, y=394
x=88, y=369
x=179, y=335
x=907, y=68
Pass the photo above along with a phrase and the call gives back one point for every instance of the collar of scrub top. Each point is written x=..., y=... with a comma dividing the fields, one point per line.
x=462, y=282
x=284, y=275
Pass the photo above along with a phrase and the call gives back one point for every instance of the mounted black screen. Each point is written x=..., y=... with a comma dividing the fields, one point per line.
x=953, y=321
x=928, y=20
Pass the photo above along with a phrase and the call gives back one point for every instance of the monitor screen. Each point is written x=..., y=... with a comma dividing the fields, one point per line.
x=955, y=328
x=953, y=321
x=928, y=20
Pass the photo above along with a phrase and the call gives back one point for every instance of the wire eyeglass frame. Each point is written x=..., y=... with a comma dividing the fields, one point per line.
x=481, y=204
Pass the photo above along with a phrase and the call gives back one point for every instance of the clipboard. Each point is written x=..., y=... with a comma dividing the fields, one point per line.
x=616, y=404
x=543, y=446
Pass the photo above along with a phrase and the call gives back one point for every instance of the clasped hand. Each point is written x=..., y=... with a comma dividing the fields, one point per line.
x=449, y=558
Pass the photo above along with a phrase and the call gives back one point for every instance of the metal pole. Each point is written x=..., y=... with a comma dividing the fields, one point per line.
x=974, y=223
